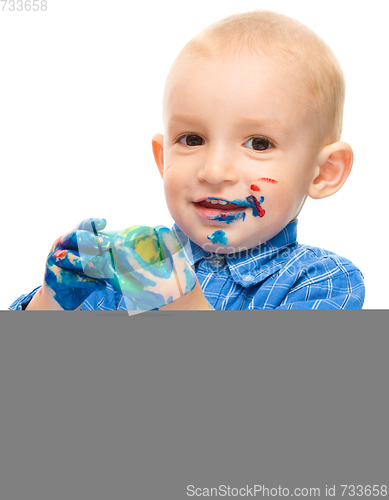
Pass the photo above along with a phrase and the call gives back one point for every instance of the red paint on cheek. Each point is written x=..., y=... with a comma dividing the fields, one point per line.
x=267, y=179
x=253, y=187
x=261, y=211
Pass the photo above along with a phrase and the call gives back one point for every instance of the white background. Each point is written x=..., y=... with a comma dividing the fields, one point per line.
x=81, y=96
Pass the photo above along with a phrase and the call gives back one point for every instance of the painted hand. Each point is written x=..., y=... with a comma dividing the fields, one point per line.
x=150, y=266
x=77, y=263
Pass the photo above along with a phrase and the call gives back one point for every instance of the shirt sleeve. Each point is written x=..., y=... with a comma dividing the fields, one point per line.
x=331, y=282
x=21, y=303
x=103, y=300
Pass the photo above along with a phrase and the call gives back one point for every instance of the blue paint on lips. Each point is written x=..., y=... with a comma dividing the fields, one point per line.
x=249, y=201
x=242, y=203
x=228, y=218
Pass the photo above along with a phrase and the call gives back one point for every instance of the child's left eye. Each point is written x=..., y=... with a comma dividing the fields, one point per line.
x=260, y=143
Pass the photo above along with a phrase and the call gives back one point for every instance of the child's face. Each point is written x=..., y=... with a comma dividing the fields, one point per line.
x=235, y=131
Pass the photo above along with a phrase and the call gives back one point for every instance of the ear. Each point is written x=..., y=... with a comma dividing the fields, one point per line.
x=333, y=166
x=157, y=142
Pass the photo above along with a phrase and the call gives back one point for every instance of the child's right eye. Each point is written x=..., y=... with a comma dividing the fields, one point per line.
x=191, y=140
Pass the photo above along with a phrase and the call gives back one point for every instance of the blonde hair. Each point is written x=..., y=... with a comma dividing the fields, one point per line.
x=302, y=54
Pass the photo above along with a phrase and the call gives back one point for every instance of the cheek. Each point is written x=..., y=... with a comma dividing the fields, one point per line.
x=175, y=185
x=285, y=200
x=170, y=194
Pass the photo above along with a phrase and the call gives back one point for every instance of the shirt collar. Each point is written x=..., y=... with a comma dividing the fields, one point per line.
x=251, y=266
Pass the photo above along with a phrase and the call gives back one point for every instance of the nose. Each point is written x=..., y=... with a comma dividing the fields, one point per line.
x=218, y=167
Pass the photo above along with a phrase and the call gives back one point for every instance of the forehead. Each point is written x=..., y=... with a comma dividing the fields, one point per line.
x=232, y=88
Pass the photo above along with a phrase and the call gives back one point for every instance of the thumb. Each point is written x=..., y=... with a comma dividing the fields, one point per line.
x=172, y=249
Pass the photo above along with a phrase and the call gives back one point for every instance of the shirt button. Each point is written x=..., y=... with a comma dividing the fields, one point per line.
x=247, y=277
x=216, y=261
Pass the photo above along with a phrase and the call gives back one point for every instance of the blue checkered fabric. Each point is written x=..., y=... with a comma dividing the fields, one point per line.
x=279, y=274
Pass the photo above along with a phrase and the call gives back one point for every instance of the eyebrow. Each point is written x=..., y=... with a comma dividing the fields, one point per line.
x=188, y=119
x=266, y=122
x=272, y=123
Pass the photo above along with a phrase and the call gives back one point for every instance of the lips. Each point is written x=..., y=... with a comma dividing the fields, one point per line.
x=219, y=205
x=216, y=209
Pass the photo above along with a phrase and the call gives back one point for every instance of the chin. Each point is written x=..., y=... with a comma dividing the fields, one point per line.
x=225, y=239
x=219, y=245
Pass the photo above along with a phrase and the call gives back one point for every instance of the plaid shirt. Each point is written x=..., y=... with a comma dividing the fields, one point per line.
x=279, y=274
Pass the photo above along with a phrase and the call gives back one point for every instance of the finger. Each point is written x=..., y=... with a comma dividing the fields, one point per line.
x=134, y=290
x=70, y=288
x=88, y=237
x=148, y=301
x=153, y=284
x=85, y=282
x=88, y=242
x=85, y=241
x=149, y=285
x=168, y=242
x=172, y=247
x=91, y=224
x=56, y=243
x=137, y=247
x=93, y=266
x=143, y=240
x=131, y=266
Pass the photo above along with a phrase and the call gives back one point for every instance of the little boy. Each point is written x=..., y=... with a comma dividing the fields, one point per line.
x=252, y=113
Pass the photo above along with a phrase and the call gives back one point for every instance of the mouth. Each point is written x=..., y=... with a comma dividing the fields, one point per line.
x=219, y=204
x=219, y=210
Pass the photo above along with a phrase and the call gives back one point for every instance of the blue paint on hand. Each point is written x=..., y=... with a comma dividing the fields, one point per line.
x=65, y=276
x=148, y=263
x=218, y=237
